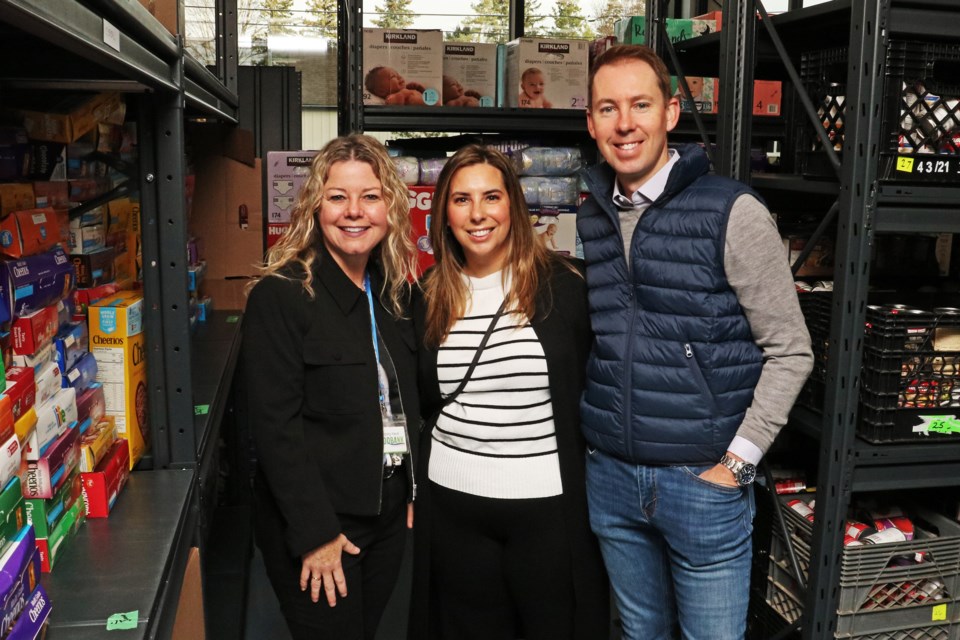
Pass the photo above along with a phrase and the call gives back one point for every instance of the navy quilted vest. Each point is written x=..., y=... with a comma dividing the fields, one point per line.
x=674, y=365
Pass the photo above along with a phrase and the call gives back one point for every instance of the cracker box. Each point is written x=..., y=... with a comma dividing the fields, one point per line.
x=48, y=379
x=117, y=342
x=95, y=443
x=31, y=626
x=547, y=73
x=9, y=459
x=469, y=74
x=19, y=574
x=29, y=232
x=287, y=171
x=32, y=331
x=402, y=67
x=633, y=30
x=101, y=487
x=421, y=199
x=12, y=516
x=53, y=419
x=43, y=478
x=44, y=515
x=38, y=360
x=51, y=546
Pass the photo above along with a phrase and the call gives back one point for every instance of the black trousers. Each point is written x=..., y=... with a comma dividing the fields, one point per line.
x=500, y=568
x=371, y=576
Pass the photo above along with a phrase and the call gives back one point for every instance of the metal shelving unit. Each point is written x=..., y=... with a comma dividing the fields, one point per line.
x=867, y=206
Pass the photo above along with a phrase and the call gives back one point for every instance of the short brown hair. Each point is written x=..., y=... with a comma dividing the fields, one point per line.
x=640, y=52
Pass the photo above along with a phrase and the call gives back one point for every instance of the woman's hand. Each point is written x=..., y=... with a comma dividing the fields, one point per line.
x=321, y=568
x=409, y=515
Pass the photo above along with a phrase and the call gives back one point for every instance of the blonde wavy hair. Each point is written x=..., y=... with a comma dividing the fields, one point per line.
x=301, y=243
x=527, y=261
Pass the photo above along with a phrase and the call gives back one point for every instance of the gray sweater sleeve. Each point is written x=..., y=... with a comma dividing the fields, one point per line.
x=756, y=265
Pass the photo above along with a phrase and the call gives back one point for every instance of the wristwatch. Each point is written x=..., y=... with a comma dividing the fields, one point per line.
x=744, y=472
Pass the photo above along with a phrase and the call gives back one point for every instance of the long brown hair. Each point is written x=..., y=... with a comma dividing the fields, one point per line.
x=301, y=243
x=527, y=260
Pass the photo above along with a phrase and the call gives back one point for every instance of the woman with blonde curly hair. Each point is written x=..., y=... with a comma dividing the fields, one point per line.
x=329, y=359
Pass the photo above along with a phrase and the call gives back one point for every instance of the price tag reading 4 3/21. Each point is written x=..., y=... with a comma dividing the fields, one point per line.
x=941, y=167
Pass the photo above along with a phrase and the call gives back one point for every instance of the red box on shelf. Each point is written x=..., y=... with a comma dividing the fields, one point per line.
x=102, y=486
x=30, y=332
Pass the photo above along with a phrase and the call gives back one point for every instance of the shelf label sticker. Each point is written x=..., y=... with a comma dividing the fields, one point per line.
x=905, y=164
x=937, y=424
x=232, y=319
x=111, y=36
x=201, y=409
x=939, y=613
x=120, y=621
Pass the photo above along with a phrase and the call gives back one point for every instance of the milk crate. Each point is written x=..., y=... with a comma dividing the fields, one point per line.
x=910, y=385
x=920, y=116
x=882, y=597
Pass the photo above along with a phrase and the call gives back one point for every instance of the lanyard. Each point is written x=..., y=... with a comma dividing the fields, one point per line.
x=382, y=381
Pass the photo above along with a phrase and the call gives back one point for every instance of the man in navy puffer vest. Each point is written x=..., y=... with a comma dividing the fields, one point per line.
x=700, y=352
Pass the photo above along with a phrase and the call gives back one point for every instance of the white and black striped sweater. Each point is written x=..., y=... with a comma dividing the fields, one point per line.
x=497, y=438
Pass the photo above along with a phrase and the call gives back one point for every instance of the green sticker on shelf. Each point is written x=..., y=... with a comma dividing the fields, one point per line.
x=201, y=409
x=939, y=612
x=937, y=424
x=232, y=319
x=120, y=621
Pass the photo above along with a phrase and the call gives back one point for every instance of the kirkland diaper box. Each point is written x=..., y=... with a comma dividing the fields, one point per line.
x=117, y=342
x=402, y=67
x=469, y=74
x=287, y=172
x=547, y=73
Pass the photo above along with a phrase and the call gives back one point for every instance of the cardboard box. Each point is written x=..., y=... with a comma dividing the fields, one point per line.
x=32, y=331
x=34, y=282
x=703, y=91
x=117, y=342
x=91, y=406
x=287, y=171
x=715, y=16
x=29, y=231
x=31, y=626
x=71, y=115
x=632, y=30
x=25, y=425
x=70, y=343
x=469, y=74
x=421, y=199
x=15, y=196
x=54, y=194
x=547, y=73
x=54, y=418
x=168, y=12
x=12, y=516
x=767, y=97
x=19, y=575
x=38, y=360
x=44, y=515
x=81, y=375
x=21, y=390
x=48, y=380
x=556, y=227
x=9, y=459
x=51, y=547
x=88, y=239
x=820, y=261
x=189, y=622
x=101, y=487
x=402, y=67
x=95, y=443
x=94, y=268
x=43, y=478
x=7, y=421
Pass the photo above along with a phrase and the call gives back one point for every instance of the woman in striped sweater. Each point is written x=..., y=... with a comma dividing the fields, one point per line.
x=504, y=549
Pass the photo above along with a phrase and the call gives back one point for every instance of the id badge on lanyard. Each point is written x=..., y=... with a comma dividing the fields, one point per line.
x=395, y=439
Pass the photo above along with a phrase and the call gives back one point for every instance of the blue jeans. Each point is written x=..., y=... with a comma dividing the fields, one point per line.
x=678, y=548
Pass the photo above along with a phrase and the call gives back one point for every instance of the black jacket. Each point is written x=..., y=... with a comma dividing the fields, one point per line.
x=564, y=332
x=312, y=390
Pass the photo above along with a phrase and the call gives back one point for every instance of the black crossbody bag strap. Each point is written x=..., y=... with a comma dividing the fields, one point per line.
x=476, y=356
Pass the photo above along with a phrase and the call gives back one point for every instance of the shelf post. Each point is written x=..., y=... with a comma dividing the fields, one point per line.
x=737, y=42
x=350, y=66
x=515, y=19
x=858, y=191
x=227, y=43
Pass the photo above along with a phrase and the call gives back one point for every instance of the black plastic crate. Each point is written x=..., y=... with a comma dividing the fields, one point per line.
x=920, y=116
x=880, y=598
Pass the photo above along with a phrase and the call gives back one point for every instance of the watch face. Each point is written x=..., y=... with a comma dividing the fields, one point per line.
x=747, y=473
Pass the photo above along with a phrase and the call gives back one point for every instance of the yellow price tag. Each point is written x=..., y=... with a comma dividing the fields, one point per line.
x=939, y=612
x=905, y=164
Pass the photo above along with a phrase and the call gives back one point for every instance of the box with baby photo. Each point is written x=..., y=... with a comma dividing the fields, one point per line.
x=547, y=73
x=556, y=227
x=469, y=74
x=402, y=67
